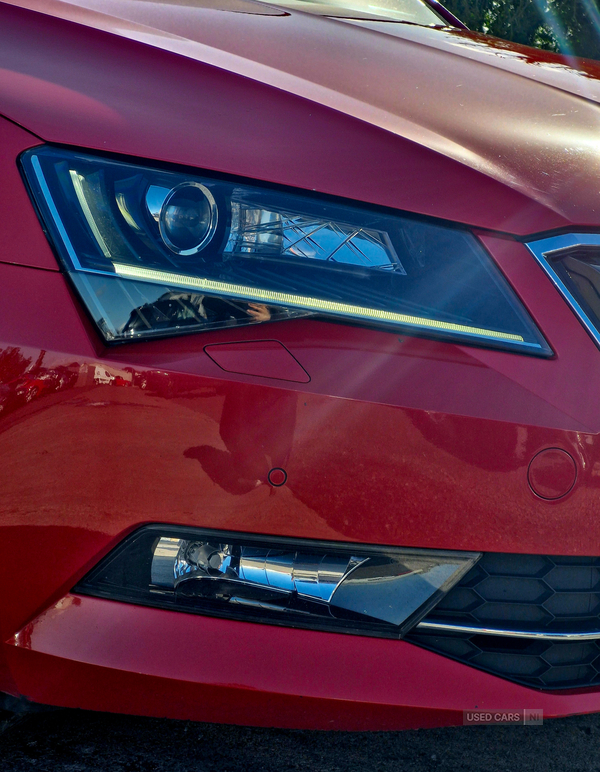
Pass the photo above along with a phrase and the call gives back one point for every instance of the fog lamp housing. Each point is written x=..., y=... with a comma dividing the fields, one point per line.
x=363, y=589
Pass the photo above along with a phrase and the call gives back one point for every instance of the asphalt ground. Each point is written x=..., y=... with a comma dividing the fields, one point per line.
x=77, y=741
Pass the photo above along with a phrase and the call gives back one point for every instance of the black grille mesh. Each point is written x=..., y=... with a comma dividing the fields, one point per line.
x=530, y=593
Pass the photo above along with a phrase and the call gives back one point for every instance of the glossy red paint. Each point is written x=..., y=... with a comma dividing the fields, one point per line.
x=122, y=658
x=384, y=439
x=552, y=473
x=264, y=358
x=310, y=119
x=370, y=459
x=23, y=242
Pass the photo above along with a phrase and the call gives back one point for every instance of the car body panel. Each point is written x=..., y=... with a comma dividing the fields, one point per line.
x=116, y=657
x=328, y=130
x=159, y=433
x=23, y=242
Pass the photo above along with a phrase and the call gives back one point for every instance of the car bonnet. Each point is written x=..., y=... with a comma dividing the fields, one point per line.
x=526, y=119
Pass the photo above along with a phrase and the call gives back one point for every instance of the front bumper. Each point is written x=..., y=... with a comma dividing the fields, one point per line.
x=97, y=654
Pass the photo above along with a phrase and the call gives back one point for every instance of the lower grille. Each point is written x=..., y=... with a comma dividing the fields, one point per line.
x=532, y=619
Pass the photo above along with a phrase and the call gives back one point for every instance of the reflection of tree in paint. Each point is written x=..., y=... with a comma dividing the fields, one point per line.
x=571, y=28
x=257, y=426
x=12, y=364
x=22, y=381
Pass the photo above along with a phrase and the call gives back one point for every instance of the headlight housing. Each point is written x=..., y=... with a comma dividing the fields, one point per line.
x=364, y=589
x=155, y=252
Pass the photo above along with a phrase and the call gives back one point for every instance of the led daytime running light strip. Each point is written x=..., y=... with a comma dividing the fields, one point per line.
x=316, y=304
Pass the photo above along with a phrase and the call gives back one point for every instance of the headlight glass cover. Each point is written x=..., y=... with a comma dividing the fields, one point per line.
x=155, y=252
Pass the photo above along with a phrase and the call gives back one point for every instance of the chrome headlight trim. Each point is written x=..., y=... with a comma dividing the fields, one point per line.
x=543, y=249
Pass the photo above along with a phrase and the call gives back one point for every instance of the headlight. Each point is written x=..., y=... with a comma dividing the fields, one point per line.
x=155, y=252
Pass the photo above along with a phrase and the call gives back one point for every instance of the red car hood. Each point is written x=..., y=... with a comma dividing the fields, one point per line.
x=522, y=118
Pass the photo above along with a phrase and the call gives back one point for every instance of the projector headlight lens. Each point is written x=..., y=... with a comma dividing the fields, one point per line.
x=155, y=252
x=188, y=218
x=326, y=585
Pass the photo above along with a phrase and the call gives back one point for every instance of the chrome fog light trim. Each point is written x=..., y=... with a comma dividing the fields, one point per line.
x=545, y=635
x=364, y=589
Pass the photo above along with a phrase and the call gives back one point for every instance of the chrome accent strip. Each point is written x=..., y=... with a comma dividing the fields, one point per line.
x=214, y=218
x=531, y=634
x=544, y=247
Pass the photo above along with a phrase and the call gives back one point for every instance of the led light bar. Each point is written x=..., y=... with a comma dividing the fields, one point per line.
x=325, y=585
x=302, y=301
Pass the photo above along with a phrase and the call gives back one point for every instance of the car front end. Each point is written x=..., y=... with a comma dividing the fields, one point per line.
x=298, y=367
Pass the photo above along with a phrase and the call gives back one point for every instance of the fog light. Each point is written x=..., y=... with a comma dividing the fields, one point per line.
x=326, y=585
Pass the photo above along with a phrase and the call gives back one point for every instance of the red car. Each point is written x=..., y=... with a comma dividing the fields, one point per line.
x=346, y=263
